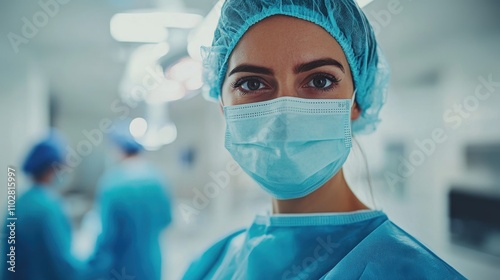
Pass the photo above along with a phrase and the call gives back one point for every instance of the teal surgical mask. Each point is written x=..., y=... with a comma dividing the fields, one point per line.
x=290, y=146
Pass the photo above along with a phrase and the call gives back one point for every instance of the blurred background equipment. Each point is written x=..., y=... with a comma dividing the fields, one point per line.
x=474, y=202
x=70, y=65
x=474, y=222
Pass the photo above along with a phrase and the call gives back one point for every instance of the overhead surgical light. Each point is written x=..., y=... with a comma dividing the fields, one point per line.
x=142, y=73
x=134, y=28
x=160, y=130
x=188, y=72
x=168, y=133
x=149, y=27
x=167, y=91
x=204, y=33
x=138, y=127
x=159, y=137
x=143, y=58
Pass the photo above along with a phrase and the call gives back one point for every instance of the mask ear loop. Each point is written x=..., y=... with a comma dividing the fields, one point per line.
x=220, y=98
x=220, y=103
x=365, y=160
x=353, y=98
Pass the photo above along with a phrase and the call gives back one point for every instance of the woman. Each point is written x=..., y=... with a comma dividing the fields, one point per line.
x=292, y=77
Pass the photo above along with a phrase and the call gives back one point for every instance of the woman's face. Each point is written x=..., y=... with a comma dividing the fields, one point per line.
x=285, y=56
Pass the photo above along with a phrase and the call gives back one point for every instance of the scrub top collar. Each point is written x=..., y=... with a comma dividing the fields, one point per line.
x=317, y=219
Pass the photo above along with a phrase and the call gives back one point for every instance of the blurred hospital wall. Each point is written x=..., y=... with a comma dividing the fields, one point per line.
x=443, y=104
x=69, y=74
x=24, y=107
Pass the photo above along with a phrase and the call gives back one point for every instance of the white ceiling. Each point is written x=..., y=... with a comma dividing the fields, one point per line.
x=84, y=64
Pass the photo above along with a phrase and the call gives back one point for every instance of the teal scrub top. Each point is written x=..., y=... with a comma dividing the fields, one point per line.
x=42, y=239
x=356, y=245
x=135, y=208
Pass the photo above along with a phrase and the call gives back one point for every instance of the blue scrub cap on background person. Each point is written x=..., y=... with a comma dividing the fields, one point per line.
x=44, y=154
x=342, y=19
x=122, y=137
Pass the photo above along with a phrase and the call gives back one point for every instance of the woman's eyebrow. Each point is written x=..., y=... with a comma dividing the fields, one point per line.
x=251, y=69
x=318, y=63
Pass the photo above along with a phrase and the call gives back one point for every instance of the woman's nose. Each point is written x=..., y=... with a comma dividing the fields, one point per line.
x=287, y=88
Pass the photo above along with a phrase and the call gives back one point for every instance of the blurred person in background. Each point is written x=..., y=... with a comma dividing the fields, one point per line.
x=292, y=78
x=43, y=232
x=135, y=207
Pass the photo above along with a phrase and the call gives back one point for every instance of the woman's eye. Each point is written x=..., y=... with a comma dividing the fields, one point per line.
x=252, y=85
x=320, y=82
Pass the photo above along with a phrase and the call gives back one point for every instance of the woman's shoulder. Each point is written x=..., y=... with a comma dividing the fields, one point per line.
x=204, y=263
x=389, y=252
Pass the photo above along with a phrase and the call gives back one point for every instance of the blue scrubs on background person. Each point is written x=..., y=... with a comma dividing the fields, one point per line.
x=135, y=208
x=43, y=232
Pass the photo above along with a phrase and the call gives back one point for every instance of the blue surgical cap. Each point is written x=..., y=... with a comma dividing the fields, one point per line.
x=122, y=137
x=342, y=19
x=45, y=154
